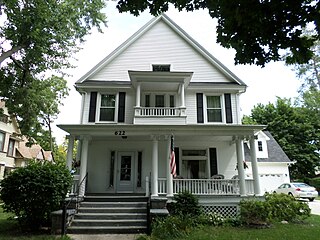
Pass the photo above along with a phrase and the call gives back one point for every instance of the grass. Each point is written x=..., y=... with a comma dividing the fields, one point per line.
x=309, y=230
x=10, y=230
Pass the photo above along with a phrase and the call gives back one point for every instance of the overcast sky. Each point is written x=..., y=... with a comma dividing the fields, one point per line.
x=264, y=84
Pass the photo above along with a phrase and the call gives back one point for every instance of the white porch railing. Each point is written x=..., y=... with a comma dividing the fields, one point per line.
x=75, y=184
x=158, y=111
x=206, y=186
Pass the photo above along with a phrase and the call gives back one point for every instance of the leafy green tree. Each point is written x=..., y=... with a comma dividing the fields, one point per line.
x=38, y=36
x=296, y=129
x=257, y=30
x=34, y=191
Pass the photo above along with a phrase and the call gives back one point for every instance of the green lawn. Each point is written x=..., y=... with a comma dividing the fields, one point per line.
x=309, y=230
x=9, y=230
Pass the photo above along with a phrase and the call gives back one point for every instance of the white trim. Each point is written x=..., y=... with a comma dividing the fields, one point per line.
x=98, y=107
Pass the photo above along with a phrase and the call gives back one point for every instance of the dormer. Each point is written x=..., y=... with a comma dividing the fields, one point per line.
x=261, y=145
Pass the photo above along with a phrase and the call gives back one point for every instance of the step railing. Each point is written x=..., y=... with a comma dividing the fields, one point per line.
x=65, y=204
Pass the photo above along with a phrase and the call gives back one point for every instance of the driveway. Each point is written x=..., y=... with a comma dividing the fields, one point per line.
x=315, y=207
x=103, y=236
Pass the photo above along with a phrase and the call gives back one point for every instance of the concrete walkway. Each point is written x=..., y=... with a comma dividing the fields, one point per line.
x=103, y=236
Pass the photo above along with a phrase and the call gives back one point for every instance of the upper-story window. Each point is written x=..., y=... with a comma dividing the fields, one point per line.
x=2, y=138
x=161, y=68
x=4, y=118
x=11, y=148
x=260, y=149
x=107, y=107
x=214, y=109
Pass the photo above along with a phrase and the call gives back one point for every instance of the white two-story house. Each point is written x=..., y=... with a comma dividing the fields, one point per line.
x=157, y=84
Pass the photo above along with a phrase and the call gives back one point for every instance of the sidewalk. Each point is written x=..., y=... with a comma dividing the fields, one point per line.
x=103, y=236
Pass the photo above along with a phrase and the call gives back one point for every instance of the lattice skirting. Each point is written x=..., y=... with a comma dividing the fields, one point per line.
x=225, y=211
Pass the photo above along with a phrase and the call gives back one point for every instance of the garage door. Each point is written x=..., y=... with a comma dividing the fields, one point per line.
x=269, y=182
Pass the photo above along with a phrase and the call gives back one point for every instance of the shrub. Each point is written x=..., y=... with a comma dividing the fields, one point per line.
x=213, y=219
x=285, y=207
x=185, y=204
x=275, y=208
x=34, y=191
x=169, y=228
x=254, y=212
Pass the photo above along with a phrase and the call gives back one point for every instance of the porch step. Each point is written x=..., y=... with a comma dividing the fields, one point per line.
x=99, y=214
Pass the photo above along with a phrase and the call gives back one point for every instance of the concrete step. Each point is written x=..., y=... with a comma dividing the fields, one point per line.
x=115, y=198
x=112, y=210
x=111, y=216
x=112, y=204
x=106, y=229
x=99, y=222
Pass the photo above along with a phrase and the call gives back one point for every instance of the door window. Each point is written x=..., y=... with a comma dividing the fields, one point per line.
x=125, y=171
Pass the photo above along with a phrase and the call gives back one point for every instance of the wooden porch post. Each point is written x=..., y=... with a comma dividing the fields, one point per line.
x=138, y=92
x=239, y=147
x=154, y=174
x=169, y=175
x=254, y=164
x=70, y=151
x=182, y=95
x=83, y=164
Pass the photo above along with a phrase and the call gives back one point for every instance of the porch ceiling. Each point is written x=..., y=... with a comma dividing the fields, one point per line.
x=103, y=130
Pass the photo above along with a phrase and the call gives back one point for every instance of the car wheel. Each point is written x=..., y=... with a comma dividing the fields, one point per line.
x=290, y=194
x=311, y=199
x=274, y=192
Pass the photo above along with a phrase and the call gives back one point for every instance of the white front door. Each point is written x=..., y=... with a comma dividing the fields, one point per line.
x=125, y=172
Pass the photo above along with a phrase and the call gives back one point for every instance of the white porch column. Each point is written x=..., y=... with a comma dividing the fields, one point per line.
x=182, y=95
x=70, y=151
x=254, y=164
x=138, y=92
x=154, y=173
x=83, y=164
x=239, y=147
x=169, y=175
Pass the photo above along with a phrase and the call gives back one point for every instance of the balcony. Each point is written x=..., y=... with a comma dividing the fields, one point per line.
x=160, y=115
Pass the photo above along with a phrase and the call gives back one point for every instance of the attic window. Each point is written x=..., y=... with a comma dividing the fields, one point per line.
x=260, y=146
x=161, y=68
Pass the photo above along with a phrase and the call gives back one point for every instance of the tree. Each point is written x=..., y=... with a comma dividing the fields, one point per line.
x=296, y=129
x=257, y=30
x=38, y=36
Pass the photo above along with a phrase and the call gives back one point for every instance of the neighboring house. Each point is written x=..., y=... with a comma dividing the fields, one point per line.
x=9, y=140
x=162, y=83
x=273, y=163
x=13, y=150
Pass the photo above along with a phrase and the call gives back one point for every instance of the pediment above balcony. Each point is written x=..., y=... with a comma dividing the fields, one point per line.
x=160, y=81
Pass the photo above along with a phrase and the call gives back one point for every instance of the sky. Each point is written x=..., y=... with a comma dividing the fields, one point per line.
x=264, y=84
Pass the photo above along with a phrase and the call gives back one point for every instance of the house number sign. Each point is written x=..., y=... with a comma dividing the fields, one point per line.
x=120, y=133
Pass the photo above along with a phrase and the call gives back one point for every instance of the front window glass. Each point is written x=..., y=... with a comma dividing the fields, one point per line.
x=214, y=110
x=107, y=108
x=1, y=141
x=11, y=147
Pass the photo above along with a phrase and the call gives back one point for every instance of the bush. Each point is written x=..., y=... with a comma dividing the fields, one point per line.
x=33, y=192
x=275, y=208
x=285, y=207
x=185, y=204
x=170, y=227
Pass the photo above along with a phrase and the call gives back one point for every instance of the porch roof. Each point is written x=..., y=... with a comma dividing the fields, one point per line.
x=105, y=130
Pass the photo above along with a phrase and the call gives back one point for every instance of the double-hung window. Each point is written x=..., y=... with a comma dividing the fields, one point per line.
x=11, y=148
x=2, y=138
x=214, y=109
x=107, y=107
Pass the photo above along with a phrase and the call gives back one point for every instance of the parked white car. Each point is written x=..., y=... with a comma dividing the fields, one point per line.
x=298, y=190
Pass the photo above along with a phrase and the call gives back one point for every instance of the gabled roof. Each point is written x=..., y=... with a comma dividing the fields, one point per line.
x=179, y=31
x=33, y=152
x=275, y=152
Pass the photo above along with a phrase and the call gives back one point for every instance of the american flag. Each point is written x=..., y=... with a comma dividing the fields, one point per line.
x=172, y=159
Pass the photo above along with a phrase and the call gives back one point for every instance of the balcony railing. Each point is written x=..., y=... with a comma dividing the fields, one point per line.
x=206, y=186
x=159, y=111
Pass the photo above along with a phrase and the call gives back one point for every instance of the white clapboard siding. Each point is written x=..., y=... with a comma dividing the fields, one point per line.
x=160, y=45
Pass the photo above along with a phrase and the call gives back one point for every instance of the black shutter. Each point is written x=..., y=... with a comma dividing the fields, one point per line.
x=92, y=107
x=213, y=161
x=228, y=107
x=200, y=108
x=176, y=153
x=121, y=107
